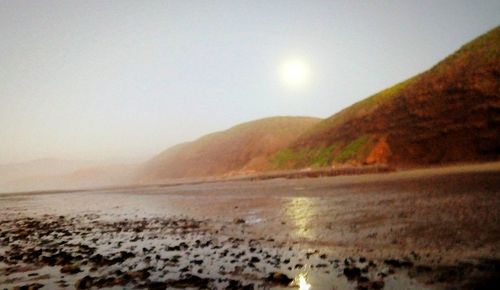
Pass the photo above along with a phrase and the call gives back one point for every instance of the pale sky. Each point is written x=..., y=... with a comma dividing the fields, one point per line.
x=126, y=79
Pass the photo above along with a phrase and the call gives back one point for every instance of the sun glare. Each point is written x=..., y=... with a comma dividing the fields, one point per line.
x=295, y=72
x=303, y=285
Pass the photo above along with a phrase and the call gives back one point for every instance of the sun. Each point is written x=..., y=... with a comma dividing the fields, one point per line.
x=294, y=72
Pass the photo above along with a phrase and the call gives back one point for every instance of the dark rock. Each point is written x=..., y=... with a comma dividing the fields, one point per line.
x=141, y=275
x=157, y=286
x=104, y=282
x=234, y=285
x=423, y=269
x=174, y=248
x=415, y=255
x=377, y=285
x=84, y=283
x=352, y=273
x=97, y=259
x=298, y=266
x=190, y=281
x=183, y=246
x=120, y=281
x=398, y=263
x=70, y=269
x=33, y=286
x=197, y=262
x=279, y=278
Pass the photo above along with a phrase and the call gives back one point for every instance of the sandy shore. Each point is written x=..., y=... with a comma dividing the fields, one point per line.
x=422, y=229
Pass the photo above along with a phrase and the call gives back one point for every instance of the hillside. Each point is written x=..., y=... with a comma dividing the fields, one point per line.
x=448, y=114
x=243, y=148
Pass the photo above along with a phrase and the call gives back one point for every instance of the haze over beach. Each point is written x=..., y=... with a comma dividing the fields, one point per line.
x=249, y=145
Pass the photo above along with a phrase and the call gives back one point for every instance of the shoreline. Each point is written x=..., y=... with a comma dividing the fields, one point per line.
x=286, y=174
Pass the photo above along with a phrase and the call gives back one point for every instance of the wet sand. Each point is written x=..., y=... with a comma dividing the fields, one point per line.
x=421, y=229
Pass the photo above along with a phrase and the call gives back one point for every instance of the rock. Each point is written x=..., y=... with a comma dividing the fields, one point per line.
x=192, y=281
x=398, y=263
x=119, y=281
x=365, y=284
x=415, y=255
x=174, y=248
x=33, y=286
x=84, y=283
x=104, y=282
x=239, y=221
x=157, y=286
x=377, y=285
x=197, y=262
x=141, y=275
x=234, y=285
x=279, y=278
x=97, y=259
x=70, y=269
x=423, y=269
x=352, y=273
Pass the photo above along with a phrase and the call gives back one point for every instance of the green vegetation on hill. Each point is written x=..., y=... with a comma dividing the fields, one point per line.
x=353, y=149
x=322, y=156
x=298, y=158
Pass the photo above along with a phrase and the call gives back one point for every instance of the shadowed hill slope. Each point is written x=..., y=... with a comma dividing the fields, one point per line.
x=245, y=147
x=450, y=113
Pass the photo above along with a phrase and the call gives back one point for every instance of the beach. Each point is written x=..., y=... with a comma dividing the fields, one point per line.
x=420, y=229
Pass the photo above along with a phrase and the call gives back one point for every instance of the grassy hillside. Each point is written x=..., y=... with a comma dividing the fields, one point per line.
x=246, y=147
x=450, y=113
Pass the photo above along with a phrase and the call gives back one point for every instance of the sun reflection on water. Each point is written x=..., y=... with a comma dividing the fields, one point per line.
x=299, y=211
x=301, y=281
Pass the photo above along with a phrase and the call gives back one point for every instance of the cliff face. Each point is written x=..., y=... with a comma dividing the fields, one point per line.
x=245, y=147
x=450, y=113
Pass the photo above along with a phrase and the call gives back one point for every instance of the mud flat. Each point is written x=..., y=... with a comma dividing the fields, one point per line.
x=422, y=229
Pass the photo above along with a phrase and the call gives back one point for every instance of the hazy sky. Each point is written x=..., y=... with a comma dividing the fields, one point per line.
x=127, y=79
